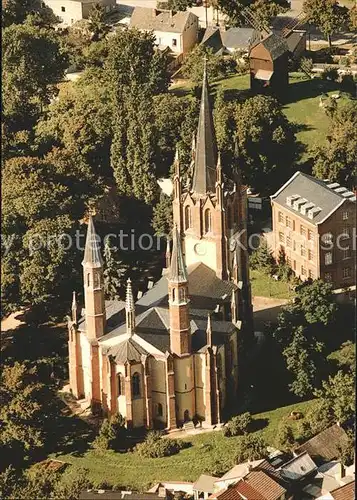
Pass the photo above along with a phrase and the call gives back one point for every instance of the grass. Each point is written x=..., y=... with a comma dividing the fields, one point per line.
x=301, y=105
x=264, y=285
x=208, y=451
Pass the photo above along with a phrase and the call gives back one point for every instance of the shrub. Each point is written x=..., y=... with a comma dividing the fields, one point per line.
x=317, y=419
x=238, y=425
x=155, y=446
x=284, y=439
x=251, y=447
x=262, y=258
x=112, y=434
x=329, y=73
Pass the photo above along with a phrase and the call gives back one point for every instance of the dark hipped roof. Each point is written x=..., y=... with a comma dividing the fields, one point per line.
x=204, y=175
x=129, y=350
x=325, y=445
x=154, y=20
x=275, y=45
x=92, y=255
x=294, y=39
x=315, y=191
x=237, y=38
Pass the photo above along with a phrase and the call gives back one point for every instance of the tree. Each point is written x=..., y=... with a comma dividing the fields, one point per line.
x=155, y=446
x=192, y=67
x=16, y=11
x=96, y=21
x=262, y=258
x=284, y=439
x=43, y=200
x=317, y=419
x=162, y=221
x=299, y=357
x=251, y=447
x=338, y=393
x=33, y=62
x=261, y=140
x=114, y=271
x=21, y=412
x=345, y=357
x=135, y=73
x=328, y=15
x=264, y=10
x=112, y=434
x=347, y=449
x=238, y=425
x=178, y=5
x=337, y=158
x=315, y=299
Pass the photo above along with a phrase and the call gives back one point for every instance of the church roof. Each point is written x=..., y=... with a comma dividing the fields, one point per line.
x=128, y=350
x=92, y=255
x=204, y=175
x=178, y=272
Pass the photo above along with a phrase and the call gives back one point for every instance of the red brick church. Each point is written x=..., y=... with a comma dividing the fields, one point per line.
x=172, y=355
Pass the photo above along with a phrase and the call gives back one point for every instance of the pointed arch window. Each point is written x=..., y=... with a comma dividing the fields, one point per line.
x=159, y=410
x=188, y=217
x=88, y=279
x=96, y=283
x=120, y=384
x=181, y=294
x=136, y=385
x=208, y=221
x=173, y=295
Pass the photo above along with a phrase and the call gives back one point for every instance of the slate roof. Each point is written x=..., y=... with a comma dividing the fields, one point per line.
x=129, y=350
x=204, y=174
x=345, y=492
x=315, y=191
x=92, y=255
x=325, y=444
x=275, y=44
x=155, y=20
x=213, y=39
x=237, y=38
x=298, y=467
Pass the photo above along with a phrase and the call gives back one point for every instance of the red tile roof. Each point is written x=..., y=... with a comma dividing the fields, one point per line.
x=345, y=492
x=229, y=494
x=265, y=485
x=248, y=491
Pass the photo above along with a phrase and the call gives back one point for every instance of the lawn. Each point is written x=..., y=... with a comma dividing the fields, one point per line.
x=301, y=105
x=264, y=285
x=209, y=452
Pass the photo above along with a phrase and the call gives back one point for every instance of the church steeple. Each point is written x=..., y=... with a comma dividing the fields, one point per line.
x=204, y=176
x=129, y=308
x=93, y=284
x=178, y=272
x=180, y=333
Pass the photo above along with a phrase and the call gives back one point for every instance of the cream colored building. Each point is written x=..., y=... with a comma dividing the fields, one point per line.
x=172, y=355
x=176, y=30
x=71, y=11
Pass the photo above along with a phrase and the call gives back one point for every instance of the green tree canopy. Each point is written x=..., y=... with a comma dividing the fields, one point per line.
x=327, y=15
x=338, y=394
x=336, y=159
x=264, y=10
x=33, y=62
x=251, y=447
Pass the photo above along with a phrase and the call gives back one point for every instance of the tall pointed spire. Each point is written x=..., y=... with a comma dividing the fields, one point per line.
x=178, y=272
x=74, y=308
x=129, y=308
x=209, y=331
x=92, y=256
x=204, y=176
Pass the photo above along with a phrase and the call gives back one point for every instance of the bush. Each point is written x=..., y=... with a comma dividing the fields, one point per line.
x=155, y=446
x=238, y=425
x=251, y=447
x=112, y=434
x=330, y=73
x=284, y=439
x=262, y=258
x=317, y=419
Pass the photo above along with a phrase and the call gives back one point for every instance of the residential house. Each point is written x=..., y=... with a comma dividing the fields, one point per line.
x=222, y=41
x=314, y=226
x=204, y=486
x=176, y=30
x=71, y=11
x=330, y=477
x=124, y=495
x=298, y=468
x=345, y=492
